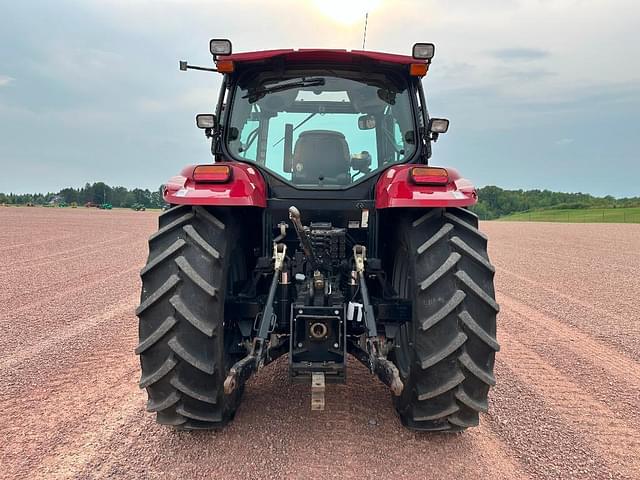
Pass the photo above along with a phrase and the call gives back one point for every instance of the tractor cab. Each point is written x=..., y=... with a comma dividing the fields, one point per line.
x=321, y=119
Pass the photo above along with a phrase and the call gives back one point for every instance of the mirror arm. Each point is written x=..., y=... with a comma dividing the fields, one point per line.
x=184, y=66
x=425, y=140
x=215, y=134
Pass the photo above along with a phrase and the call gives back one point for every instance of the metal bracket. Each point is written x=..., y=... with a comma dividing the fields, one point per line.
x=359, y=255
x=386, y=371
x=279, y=254
x=305, y=242
x=317, y=391
x=239, y=373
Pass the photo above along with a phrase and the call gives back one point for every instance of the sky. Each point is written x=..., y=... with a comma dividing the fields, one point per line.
x=540, y=93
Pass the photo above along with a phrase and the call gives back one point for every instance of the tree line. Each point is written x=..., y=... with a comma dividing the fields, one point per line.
x=494, y=202
x=96, y=193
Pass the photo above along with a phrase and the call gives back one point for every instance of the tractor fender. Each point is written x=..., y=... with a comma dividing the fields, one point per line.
x=396, y=189
x=245, y=188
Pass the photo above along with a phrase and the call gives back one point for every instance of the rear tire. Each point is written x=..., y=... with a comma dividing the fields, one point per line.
x=184, y=348
x=446, y=354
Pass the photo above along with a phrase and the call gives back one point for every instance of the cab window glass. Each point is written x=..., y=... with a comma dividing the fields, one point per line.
x=321, y=131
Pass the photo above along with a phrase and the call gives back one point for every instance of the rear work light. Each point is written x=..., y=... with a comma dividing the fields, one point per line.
x=429, y=175
x=212, y=173
x=423, y=51
x=220, y=46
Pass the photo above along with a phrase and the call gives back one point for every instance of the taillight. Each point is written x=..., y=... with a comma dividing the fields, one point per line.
x=212, y=173
x=429, y=175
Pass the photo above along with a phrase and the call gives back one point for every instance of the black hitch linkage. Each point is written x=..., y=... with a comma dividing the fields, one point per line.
x=386, y=371
x=259, y=354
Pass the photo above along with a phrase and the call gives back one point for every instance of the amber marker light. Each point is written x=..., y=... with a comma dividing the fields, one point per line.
x=224, y=66
x=418, y=69
x=212, y=173
x=429, y=176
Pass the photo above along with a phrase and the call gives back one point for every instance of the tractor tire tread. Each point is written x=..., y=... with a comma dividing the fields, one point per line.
x=171, y=226
x=154, y=297
x=445, y=268
x=180, y=307
x=453, y=334
x=165, y=403
x=156, y=335
x=170, y=250
x=449, y=307
x=191, y=273
x=181, y=346
x=159, y=373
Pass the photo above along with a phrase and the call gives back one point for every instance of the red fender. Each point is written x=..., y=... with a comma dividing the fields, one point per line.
x=246, y=188
x=396, y=189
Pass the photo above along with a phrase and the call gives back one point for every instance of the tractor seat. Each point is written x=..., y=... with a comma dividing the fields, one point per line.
x=321, y=157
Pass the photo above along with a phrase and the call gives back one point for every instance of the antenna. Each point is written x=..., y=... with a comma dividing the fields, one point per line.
x=364, y=37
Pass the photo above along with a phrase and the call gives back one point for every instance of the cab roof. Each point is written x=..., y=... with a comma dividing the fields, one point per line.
x=319, y=55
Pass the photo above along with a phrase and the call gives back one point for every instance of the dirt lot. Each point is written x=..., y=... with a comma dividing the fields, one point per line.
x=566, y=404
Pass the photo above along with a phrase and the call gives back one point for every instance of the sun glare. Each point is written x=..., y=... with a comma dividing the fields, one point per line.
x=346, y=12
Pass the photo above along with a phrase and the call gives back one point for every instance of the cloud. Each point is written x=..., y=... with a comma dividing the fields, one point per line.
x=584, y=98
x=526, y=74
x=80, y=67
x=193, y=99
x=519, y=54
x=5, y=80
x=564, y=141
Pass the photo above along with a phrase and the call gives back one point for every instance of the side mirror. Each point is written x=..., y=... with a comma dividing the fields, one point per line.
x=366, y=122
x=233, y=134
x=438, y=125
x=206, y=120
x=410, y=137
x=361, y=162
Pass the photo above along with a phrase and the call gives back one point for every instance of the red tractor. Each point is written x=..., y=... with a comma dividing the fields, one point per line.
x=319, y=230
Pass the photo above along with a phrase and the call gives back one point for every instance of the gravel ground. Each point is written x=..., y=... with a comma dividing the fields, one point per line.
x=566, y=404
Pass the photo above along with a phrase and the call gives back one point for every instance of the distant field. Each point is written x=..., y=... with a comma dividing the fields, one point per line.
x=586, y=215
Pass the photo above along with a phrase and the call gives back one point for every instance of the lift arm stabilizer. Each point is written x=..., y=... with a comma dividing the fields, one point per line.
x=377, y=363
x=241, y=370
